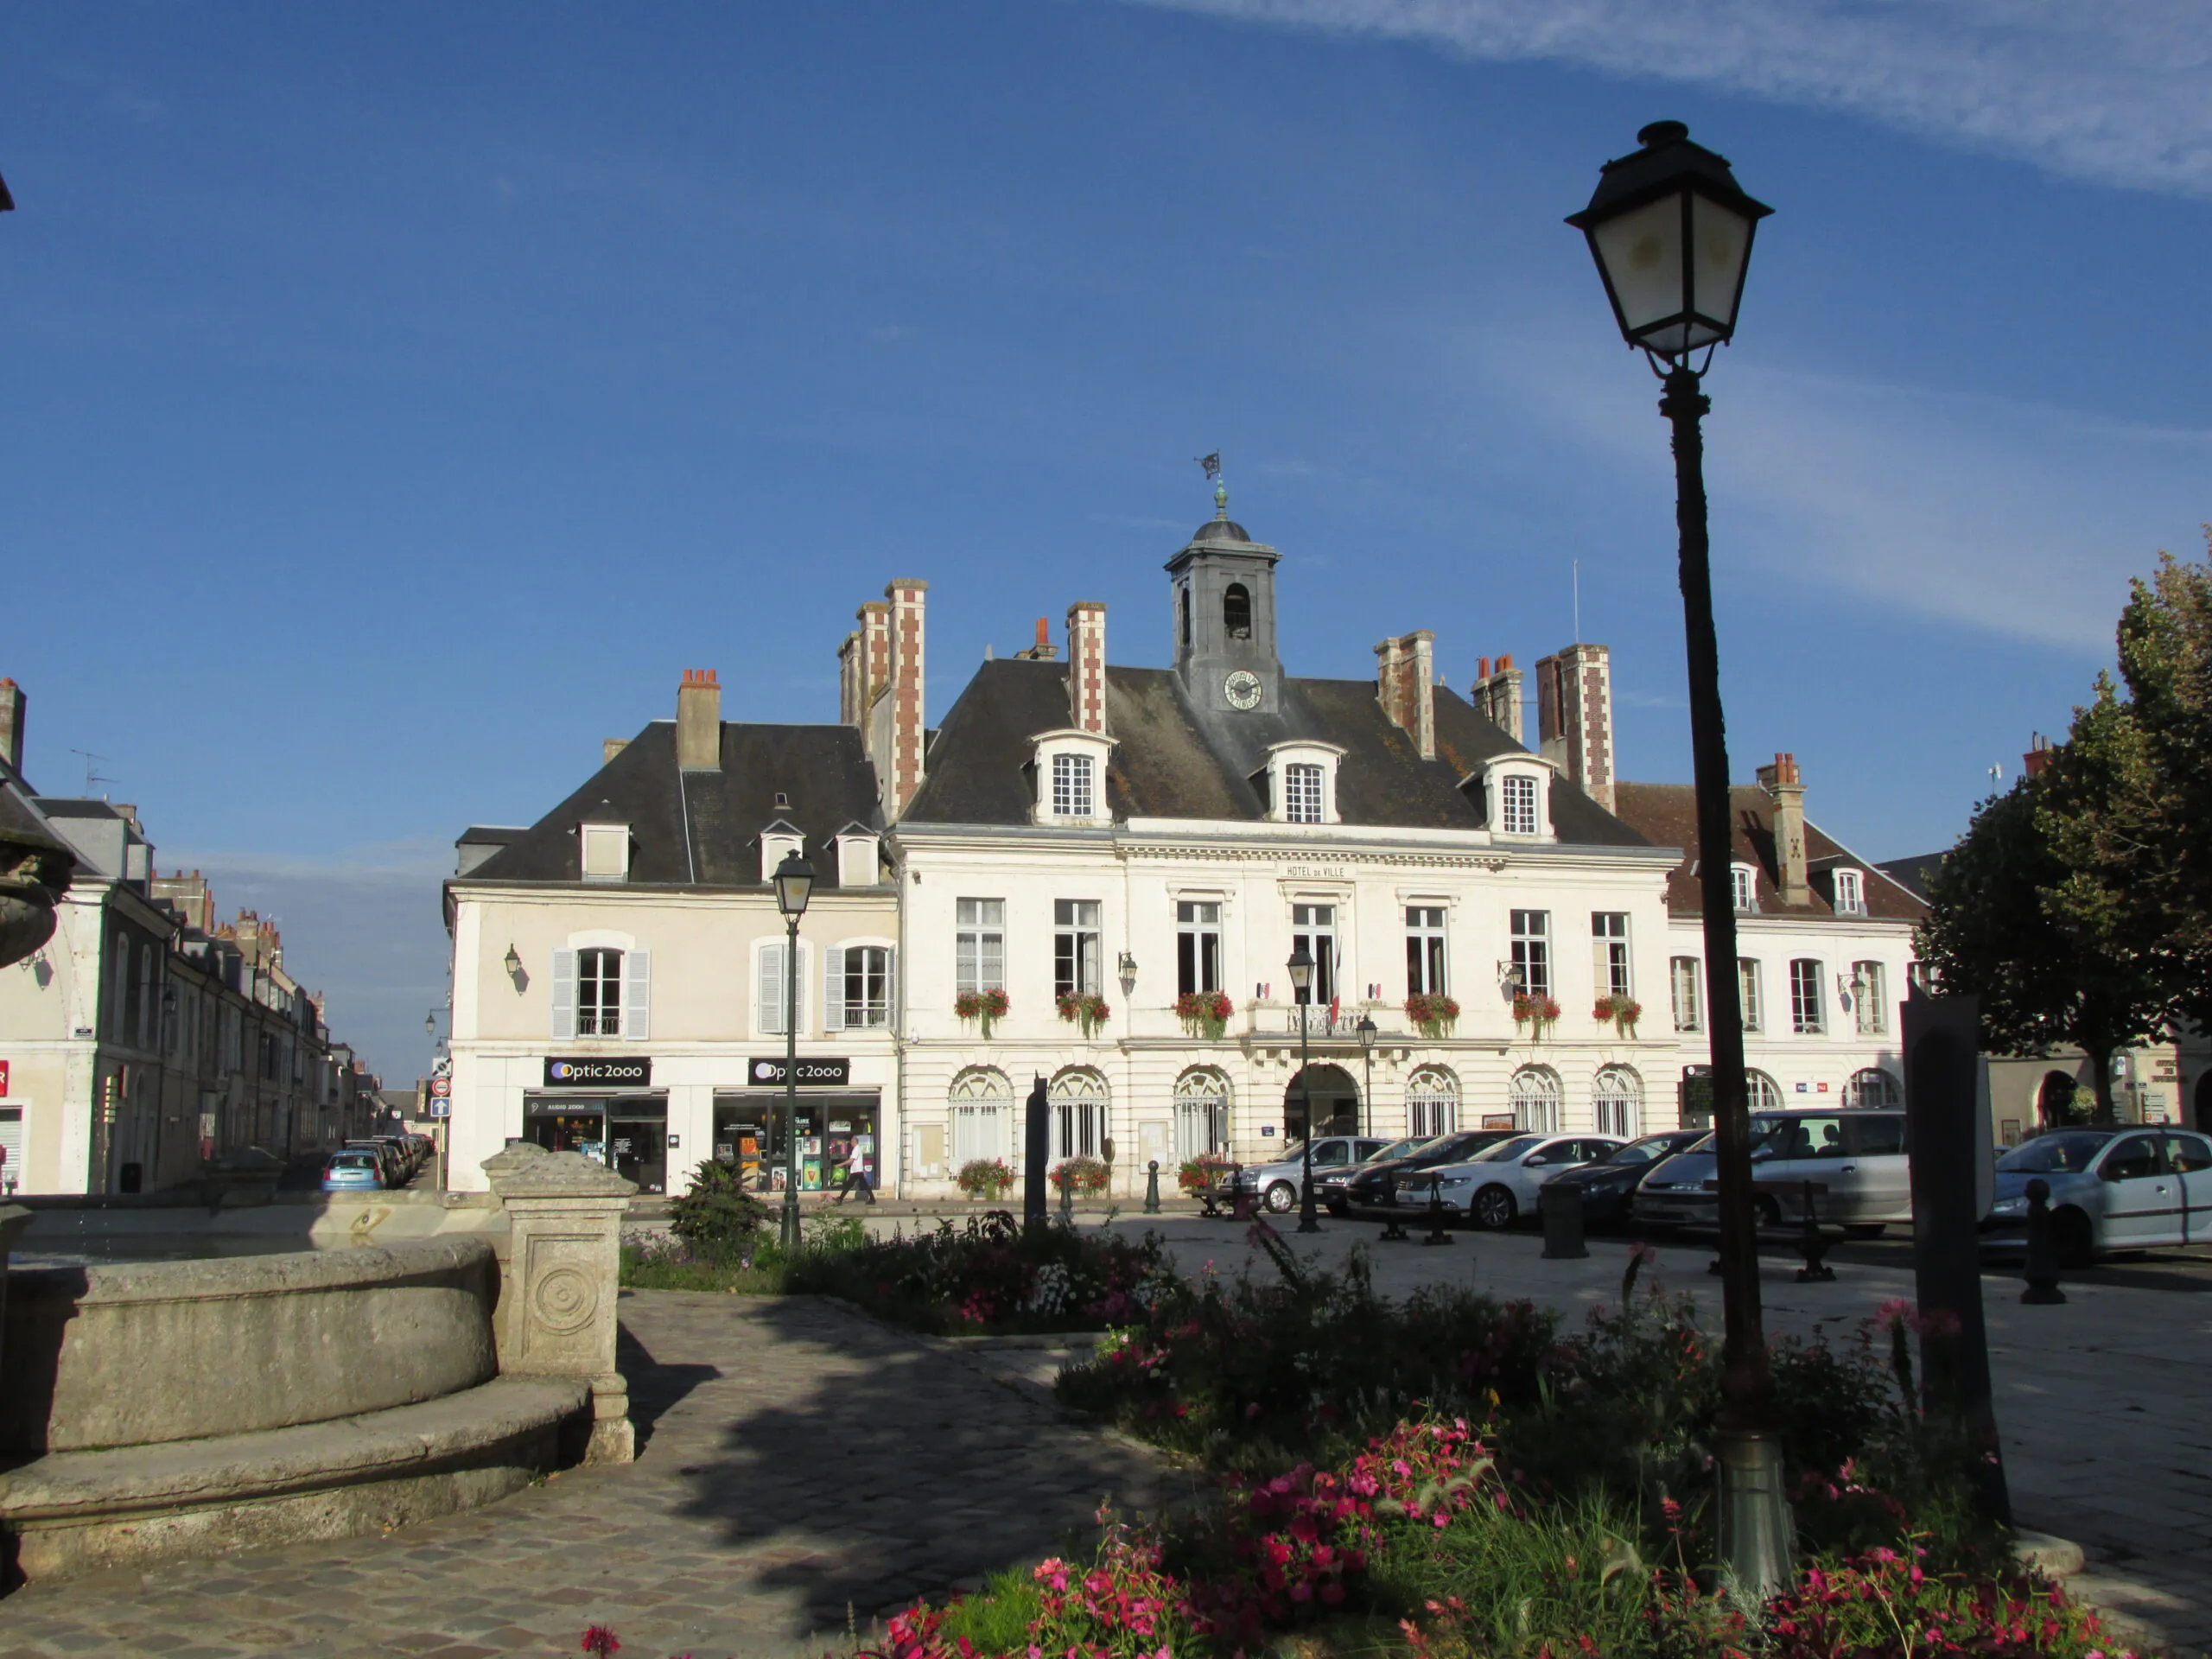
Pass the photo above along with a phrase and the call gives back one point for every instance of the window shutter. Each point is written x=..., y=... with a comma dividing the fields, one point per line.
x=833, y=990
x=769, y=1000
x=799, y=994
x=564, y=995
x=638, y=996
x=890, y=986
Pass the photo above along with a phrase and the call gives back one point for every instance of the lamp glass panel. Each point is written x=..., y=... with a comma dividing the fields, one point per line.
x=1642, y=253
x=1720, y=242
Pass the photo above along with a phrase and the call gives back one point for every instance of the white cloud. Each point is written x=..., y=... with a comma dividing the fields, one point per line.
x=2121, y=94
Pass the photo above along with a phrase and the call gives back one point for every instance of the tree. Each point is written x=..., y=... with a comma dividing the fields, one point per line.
x=2011, y=922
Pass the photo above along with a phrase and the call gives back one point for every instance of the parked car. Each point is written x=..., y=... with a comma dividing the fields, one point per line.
x=1374, y=1186
x=1277, y=1184
x=353, y=1170
x=1608, y=1184
x=2110, y=1189
x=1330, y=1189
x=1858, y=1155
x=1499, y=1182
x=387, y=1157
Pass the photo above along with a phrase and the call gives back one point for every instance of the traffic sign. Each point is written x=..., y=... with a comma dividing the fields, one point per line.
x=441, y=1109
x=441, y=1087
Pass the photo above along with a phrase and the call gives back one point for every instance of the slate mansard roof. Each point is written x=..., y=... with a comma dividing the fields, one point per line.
x=1173, y=759
x=702, y=828
x=1666, y=814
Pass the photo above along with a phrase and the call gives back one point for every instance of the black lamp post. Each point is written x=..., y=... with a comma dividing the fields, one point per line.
x=794, y=881
x=1367, y=1034
x=1671, y=232
x=1301, y=980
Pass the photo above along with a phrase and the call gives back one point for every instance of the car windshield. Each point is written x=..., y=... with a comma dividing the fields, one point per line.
x=1395, y=1149
x=1649, y=1150
x=2053, y=1154
x=1506, y=1151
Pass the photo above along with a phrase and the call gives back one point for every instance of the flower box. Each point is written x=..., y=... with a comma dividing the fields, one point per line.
x=1539, y=1012
x=987, y=1007
x=1620, y=1012
x=1086, y=1008
x=1433, y=1014
x=1204, y=1013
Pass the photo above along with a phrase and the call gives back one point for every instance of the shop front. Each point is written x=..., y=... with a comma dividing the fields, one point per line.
x=607, y=1110
x=839, y=1127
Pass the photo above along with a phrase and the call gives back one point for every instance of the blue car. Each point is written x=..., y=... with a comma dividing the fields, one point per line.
x=359, y=1171
x=2111, y=1189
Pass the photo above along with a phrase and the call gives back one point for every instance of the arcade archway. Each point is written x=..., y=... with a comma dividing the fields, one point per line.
x=1336, y=1103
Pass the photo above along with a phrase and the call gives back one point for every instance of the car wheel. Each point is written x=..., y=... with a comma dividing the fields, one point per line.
x=2071, y=1239
x=1281, y=1195
x=1767, y=1212
x=1493, y=1207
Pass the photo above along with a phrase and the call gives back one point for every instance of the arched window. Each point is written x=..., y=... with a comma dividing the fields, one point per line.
x=1431, y=1102
x=981, y=1099
x=1872, y=1087
x=1616, y=1100
x=1534, y=1094
x=1237, y=611
x=1078, y=1099
x=1201, y=1113
x=1765, y=1092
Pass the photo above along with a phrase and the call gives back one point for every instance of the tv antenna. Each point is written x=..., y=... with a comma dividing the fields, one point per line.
x=92, y=774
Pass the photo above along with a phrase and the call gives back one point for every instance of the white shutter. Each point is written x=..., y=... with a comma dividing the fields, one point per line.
x=798, y=995
x=638, y=996
x=564, y=995
x=833, y=988
x=890, y=987
x=768, y=997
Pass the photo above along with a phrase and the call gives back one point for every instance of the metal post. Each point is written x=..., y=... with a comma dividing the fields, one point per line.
x=1756, y=1533
x=1307, y=1224
x=791, y=1085
x=1152, y=1188
x=2043, y=1290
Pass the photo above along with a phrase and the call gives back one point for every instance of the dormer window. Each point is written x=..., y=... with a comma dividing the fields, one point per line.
x=1850, y=894
x=860, y=863
x=1301, y=783
x=1070, y=768
x=1074, y=793
x=1517, y=787
x=1742, y=882
x=605, y=852
x=777, y=842
x=1237, y=611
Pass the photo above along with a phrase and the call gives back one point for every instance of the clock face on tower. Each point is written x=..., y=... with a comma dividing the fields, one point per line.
x=1243, y=689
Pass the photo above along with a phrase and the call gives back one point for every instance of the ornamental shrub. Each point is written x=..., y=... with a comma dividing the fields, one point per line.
x=1207, y=1170
x=1085, y=1177
x=717, y=1219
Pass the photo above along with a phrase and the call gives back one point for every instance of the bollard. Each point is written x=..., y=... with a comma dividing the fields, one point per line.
x=1436, y=1214
x=1812, y=1245
x=1152, y=1188
x=1067, y=1201
x=2043, y=1290
x=1562, y=1208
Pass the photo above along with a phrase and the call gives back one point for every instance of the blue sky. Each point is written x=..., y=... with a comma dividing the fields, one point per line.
x=394, y=400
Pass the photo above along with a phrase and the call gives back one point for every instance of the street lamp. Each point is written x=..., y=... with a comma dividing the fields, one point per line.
x=794, y=881
x=1301, y=980
x=1367, y=1033
x=1671, y=232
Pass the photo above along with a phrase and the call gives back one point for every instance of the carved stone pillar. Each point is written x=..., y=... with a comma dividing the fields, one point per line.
x=557, y=1301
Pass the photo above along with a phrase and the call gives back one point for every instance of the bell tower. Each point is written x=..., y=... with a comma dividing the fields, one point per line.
x=1224, y=617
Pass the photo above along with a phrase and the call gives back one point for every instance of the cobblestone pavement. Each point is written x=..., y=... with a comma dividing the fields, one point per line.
x=798, y=1460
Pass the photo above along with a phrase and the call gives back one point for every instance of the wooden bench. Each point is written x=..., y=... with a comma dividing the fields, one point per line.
x=1812, y=1238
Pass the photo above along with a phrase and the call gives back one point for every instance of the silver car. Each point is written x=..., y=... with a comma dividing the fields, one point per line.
x=1857, y=1158
x=1277, y=1184
x=2110, y=1189
x=1500, y=1182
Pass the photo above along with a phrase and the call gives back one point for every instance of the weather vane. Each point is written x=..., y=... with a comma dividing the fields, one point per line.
x=1212, y=464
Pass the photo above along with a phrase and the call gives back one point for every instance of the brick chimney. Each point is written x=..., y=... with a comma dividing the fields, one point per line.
x=899, y=757
x=1781, y=781
x=1405, y=684
x=1044, y=651
x=1087, y=665
x=2038, y=757
x=864, y=663
x=699, y=722
x=1575, y=717
x=12, y=704
x=1497, y=695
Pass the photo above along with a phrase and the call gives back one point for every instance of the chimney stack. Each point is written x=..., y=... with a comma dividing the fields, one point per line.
x=2036, y=760
x=1044, y=651
x=1781, y=781
x=611, y=746
x=899, y=754
x=12, y=704
x=1497, y=695
x=1405, y=684
x=1087, y=665
x=1575, y=717
x=699, y=722
x=864, y=665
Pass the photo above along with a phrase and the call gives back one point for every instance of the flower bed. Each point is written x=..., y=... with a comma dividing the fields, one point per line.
x=987, y=1179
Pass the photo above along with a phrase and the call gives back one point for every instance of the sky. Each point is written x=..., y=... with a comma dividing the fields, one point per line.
x=395, y=400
